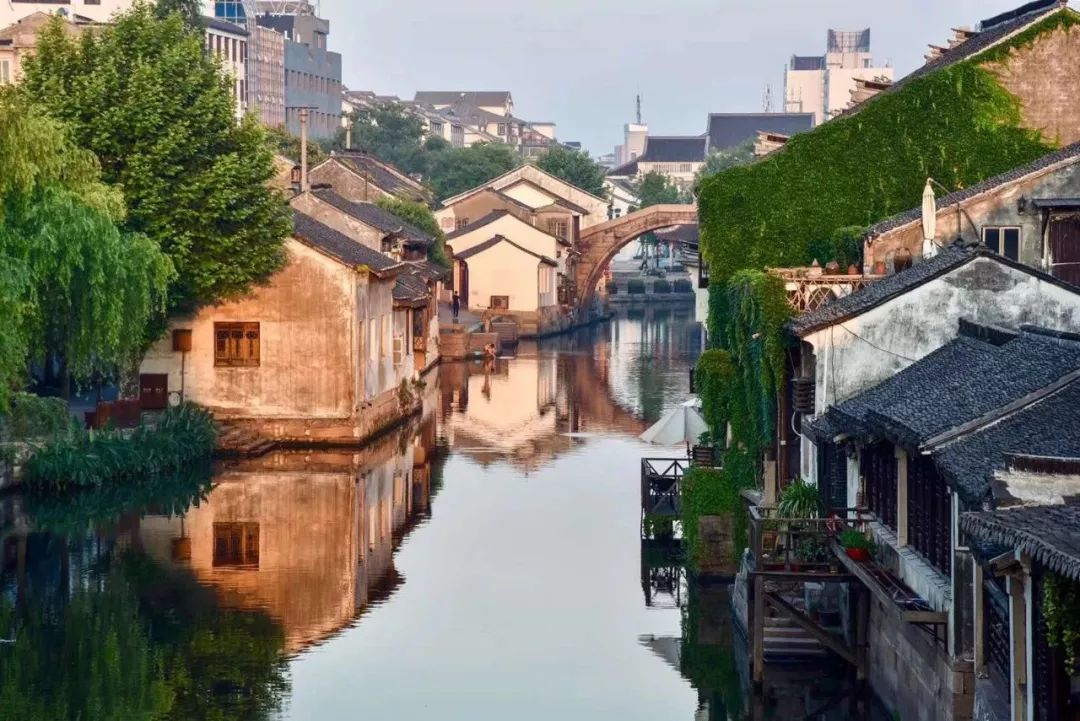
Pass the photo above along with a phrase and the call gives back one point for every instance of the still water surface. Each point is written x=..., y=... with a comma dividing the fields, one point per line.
x=484, y=563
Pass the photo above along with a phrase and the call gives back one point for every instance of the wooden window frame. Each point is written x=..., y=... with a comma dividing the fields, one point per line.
x=1001, y=230
x=494, y=306
x=242, y=355
x=879, y=469
x=929, y=514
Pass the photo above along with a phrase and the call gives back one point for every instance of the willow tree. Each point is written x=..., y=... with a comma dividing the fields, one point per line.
x=145, y=97
x=72, y=284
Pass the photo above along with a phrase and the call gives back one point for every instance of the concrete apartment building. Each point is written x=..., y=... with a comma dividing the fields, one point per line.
x=309, y=73
x=822, y=84
x=18, y=40
x=229, y=43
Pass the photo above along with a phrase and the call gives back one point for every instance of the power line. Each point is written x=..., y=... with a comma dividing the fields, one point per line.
x=877, y=347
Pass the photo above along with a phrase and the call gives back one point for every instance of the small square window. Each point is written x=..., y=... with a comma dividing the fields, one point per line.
x=236, y=345
x=1003, y=241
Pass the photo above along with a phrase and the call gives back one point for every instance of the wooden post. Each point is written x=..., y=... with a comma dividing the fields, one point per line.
x=978, y=611
x=769, y=483
x=758, y=633
x=1018, y=627
x=901, y=498
x=304, y=186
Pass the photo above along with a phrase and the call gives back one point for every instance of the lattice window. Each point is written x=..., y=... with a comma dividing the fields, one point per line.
x=236, y=345
x=929, y=514
x=879, y=468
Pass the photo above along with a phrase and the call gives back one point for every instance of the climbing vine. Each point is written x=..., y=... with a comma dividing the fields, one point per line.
x=1061, y=610
x=957, y=125
x=716, y=492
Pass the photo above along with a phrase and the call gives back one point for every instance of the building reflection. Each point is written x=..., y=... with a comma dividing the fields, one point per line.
x=307, y=538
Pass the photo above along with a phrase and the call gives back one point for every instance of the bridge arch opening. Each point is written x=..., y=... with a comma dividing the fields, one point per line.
x=601, y=243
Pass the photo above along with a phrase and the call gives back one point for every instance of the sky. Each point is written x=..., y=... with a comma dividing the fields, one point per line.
x=580, y=63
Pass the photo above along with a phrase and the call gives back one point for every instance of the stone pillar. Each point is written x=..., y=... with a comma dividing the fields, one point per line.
x=1018, y=634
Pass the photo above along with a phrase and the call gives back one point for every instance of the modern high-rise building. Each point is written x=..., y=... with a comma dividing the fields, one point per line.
x=293, y=70
x=822, y=84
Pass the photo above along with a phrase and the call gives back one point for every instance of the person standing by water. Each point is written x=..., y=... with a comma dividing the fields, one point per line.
x=457, y=306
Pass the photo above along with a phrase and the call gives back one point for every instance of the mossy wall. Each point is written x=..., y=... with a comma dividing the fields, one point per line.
x=958, y=125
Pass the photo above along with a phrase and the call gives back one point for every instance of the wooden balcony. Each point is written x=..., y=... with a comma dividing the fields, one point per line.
x=810, y=288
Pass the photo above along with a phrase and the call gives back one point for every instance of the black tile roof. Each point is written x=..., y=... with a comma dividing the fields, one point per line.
x=994, y=31
x=674, y=149
x=410, y=289
x=376, y=217
x=495, y=240
x=958, y=383
x=1070, y=152
x=1045, y=427
x=728, y=130
x=880, y=291
x=627, y=169
x=338, y=245
x=688, y=234
x=478, y=223
x=1049, y=534
x=427, y=270
x=383, y=175
x=224, y=26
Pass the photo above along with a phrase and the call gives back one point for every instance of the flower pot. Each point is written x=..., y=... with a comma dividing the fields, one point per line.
x=858, y=554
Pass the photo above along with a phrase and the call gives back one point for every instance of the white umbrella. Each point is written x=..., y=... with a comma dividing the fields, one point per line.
x=682, y=425
x=929, y=219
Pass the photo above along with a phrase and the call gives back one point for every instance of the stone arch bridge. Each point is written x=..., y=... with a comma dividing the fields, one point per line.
x=600, y=243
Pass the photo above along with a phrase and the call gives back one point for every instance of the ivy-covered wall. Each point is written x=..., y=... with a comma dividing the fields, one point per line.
x=958, y=125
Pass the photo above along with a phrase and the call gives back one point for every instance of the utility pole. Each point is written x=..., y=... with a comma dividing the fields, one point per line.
x=304, y=186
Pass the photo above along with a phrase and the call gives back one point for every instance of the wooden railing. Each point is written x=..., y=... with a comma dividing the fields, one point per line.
x=804, y=545
x=661, y=479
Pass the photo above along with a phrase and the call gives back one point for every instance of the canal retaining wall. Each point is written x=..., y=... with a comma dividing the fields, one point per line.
x=912, y=674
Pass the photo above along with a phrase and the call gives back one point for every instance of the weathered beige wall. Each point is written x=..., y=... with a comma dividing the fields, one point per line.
x=530, y=194
x=1043, y=78
x=513, y=228
x=346, y=183
x=475, y=208
x=596, y=206
x=995, y=208
x=330, y=216
x=307, y=346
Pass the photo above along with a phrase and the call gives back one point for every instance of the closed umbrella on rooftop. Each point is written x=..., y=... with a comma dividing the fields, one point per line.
x=929, y=219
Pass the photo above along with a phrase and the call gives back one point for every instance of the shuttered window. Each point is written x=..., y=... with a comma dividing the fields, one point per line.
x=236, y=345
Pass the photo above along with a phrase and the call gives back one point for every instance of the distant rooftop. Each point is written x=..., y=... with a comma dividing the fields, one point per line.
x=841, y=41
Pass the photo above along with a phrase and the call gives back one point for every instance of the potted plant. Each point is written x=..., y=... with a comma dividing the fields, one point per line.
x=857, y=546
x=799, y=500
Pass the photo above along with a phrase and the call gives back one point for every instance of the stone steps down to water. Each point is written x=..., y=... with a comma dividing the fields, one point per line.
x=237, y=443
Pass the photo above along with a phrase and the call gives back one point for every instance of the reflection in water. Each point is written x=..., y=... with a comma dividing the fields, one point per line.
x=320, y=585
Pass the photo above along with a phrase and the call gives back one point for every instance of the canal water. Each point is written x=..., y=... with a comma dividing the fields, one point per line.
x=484, y=563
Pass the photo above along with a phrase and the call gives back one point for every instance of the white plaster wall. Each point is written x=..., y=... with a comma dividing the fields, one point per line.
x=597, y=207
x=863, y=351
x=504, y=270
x=511, y=228
x=530, y=195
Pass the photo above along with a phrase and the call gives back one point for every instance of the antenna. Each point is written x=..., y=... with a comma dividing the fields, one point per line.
x=639, y=108
x=766, y=100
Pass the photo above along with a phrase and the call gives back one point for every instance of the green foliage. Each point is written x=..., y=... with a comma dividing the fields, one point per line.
x=655, y=188
x=156, y=109
x=189, y=10
x=714, y=379
x=456, y=170
x=71, y=282
x=394, y=135
x=86, y=659
x=635, y=286
x=1061, y=611
x=682, y=285
x=575, y=167
x=850, y=538
x=845, y=246
x=182, y=436
x=799, y=500
x=715, y=492
x=720, y=160
x=421, y=217
x=747, y=315
x=661, y=286
x=957, y=125
x=287, y=145
x=711, y=664
x=32, y=417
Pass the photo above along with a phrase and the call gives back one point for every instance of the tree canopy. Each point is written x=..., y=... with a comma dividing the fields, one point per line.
x=720, y=160
x=459, y=169
x=394, y=135
x=72, y=282
x=655, y=188
x=156, y=110
x=575, y=167
x=419, y=215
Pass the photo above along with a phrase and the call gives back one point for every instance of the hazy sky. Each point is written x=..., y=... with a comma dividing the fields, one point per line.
x=580, y=62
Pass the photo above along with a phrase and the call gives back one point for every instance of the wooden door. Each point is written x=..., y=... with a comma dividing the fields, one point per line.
x=1065, y=247
x=154, y=391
